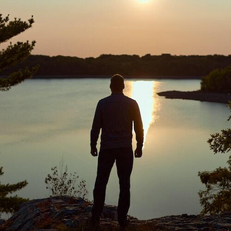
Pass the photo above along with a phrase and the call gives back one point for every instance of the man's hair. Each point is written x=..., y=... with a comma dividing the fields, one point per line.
x=117, y=82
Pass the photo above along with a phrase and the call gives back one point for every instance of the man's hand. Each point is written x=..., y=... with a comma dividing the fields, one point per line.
x=138, y=152
x=94, y=152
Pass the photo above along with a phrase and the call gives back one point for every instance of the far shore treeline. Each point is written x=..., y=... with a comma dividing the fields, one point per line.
x=147, y=66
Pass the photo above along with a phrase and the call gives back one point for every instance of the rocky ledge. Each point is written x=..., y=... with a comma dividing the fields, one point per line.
x=70, y=213
x=197, y=95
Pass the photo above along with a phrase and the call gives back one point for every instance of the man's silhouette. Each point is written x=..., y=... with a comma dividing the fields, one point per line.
x=115, y=115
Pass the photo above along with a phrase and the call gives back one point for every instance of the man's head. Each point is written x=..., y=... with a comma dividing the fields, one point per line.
x=117, y=83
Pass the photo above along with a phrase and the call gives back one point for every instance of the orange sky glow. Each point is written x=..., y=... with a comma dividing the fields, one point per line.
x=88, y=28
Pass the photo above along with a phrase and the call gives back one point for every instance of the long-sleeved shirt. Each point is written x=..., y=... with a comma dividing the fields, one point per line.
x=115, y=115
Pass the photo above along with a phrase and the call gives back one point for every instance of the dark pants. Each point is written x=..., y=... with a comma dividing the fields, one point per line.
x=124, y=163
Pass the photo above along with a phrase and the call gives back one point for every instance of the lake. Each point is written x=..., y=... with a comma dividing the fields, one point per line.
x=43, y=121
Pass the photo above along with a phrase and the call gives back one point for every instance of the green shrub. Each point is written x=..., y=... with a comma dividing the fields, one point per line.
x=218, y=80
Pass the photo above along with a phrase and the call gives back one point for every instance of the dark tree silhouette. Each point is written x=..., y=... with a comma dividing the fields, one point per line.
x=148, y=66
x=218, y=80
x=217, y=196
x=10, y=204
x=9, y=57
x=14, y=53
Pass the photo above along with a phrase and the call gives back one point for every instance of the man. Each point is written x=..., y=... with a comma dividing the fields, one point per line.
x=115, y=115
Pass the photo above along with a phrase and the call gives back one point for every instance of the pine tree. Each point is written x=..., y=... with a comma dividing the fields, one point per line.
x=12, y=203
x=11, y=56
x=14, y=53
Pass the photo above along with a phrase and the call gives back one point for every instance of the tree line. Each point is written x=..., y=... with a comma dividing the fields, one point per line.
x=147, y=66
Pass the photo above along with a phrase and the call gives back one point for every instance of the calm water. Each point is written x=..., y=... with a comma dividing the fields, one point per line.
x=42, y=121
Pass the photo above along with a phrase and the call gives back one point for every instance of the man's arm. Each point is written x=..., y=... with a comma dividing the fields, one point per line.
x=138, y=127
x=96, y=126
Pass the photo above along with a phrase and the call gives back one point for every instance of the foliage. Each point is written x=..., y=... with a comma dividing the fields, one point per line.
x=218, y=80
x=9, y=57
x=12, y=203
x=61, y=183
x=146, y=66
x=221, y=142
x=16, y=53
x=217, y=196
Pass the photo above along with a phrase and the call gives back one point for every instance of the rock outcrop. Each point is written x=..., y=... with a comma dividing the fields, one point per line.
x=57, y=213
x=70, y=213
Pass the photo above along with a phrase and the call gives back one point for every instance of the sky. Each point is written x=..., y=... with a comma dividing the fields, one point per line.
x=89, y=28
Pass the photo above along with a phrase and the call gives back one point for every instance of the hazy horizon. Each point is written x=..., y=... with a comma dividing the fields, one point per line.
x=86, y=28
x=128, y=54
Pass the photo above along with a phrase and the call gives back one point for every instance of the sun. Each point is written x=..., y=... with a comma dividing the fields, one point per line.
x=143, y=1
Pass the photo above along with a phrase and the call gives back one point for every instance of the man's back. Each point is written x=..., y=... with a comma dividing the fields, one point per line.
x=115, y=114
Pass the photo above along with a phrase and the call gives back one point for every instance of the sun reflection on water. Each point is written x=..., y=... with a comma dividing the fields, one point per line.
x=143, y=93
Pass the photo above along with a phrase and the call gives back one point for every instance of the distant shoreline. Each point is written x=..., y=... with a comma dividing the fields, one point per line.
x=109, y=76
x=197, y=95
x=134, y=66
